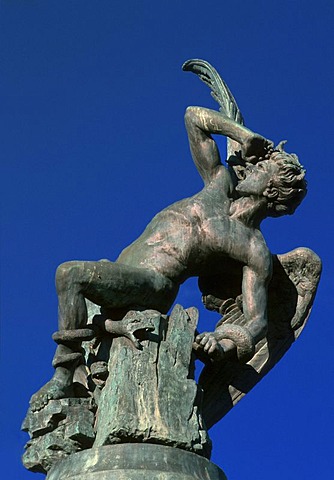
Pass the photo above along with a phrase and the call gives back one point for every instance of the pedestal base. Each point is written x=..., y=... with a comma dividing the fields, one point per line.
x=135, y=461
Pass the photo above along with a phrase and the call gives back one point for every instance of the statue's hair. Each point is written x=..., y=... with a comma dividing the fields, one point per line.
x=288, y=187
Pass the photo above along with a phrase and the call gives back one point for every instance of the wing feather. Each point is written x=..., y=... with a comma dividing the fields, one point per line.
x=220, y=93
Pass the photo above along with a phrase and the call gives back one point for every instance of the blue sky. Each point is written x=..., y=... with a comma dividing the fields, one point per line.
x=93, y=145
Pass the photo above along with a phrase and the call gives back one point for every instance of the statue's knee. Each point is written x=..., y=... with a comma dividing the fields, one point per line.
x=66, y=275
x=166, y=289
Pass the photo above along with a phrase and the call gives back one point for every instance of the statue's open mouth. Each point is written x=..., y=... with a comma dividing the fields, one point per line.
x=240, y=171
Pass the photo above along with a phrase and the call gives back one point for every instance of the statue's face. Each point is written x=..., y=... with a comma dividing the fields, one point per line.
x=257, y=178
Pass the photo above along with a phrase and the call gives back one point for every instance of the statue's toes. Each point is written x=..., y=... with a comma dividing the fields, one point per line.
x=36, y=403
x=40, y=399
x=53, y=390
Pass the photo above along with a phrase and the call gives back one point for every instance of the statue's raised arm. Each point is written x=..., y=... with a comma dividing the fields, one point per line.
x=201, y=123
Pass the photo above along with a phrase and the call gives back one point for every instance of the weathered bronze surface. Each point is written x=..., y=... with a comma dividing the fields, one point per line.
x=133, y=382
x=135, y=461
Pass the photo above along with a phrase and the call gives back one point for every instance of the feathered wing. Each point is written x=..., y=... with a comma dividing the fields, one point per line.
x=220, y=92
x=291, y=293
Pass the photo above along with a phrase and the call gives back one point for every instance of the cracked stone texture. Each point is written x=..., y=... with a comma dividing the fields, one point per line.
x=61, y=428
x=150, y=395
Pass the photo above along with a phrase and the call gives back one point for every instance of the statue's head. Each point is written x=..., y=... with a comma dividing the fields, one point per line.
x=287, y=187
x=280, y=179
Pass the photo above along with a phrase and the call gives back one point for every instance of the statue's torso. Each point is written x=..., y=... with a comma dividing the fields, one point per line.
x=191, y=237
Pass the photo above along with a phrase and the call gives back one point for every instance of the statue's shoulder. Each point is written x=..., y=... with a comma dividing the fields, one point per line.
x=222, y=179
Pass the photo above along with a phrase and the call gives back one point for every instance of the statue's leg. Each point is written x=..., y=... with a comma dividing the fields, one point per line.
x=109, y=284
x=116, y=286
x=112, y=285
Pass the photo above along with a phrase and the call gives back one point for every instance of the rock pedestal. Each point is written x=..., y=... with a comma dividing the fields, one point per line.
x=143, y=422
x=151, y=395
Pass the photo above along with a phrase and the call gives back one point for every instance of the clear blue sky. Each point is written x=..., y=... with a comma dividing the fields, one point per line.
x=93, y=145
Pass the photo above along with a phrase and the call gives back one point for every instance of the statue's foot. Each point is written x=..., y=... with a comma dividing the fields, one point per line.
x=53, y=390
x=213, y=346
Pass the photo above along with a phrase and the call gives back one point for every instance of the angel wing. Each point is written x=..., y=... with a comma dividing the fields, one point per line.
x=220, y=92
x=291, y=293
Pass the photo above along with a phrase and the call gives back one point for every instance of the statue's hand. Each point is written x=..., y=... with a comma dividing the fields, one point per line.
x=214, y=345
x=208, y=343
x=128, y=326
x=256, y=148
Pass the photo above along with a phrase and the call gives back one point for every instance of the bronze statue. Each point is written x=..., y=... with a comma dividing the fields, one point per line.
x=192, y=237
x=133, y=383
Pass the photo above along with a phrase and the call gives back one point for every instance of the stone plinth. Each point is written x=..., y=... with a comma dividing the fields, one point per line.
x=135, y=461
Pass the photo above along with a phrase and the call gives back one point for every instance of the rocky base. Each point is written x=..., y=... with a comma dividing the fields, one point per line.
x=144, y=393
x=61, y=428
x=150, y=395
